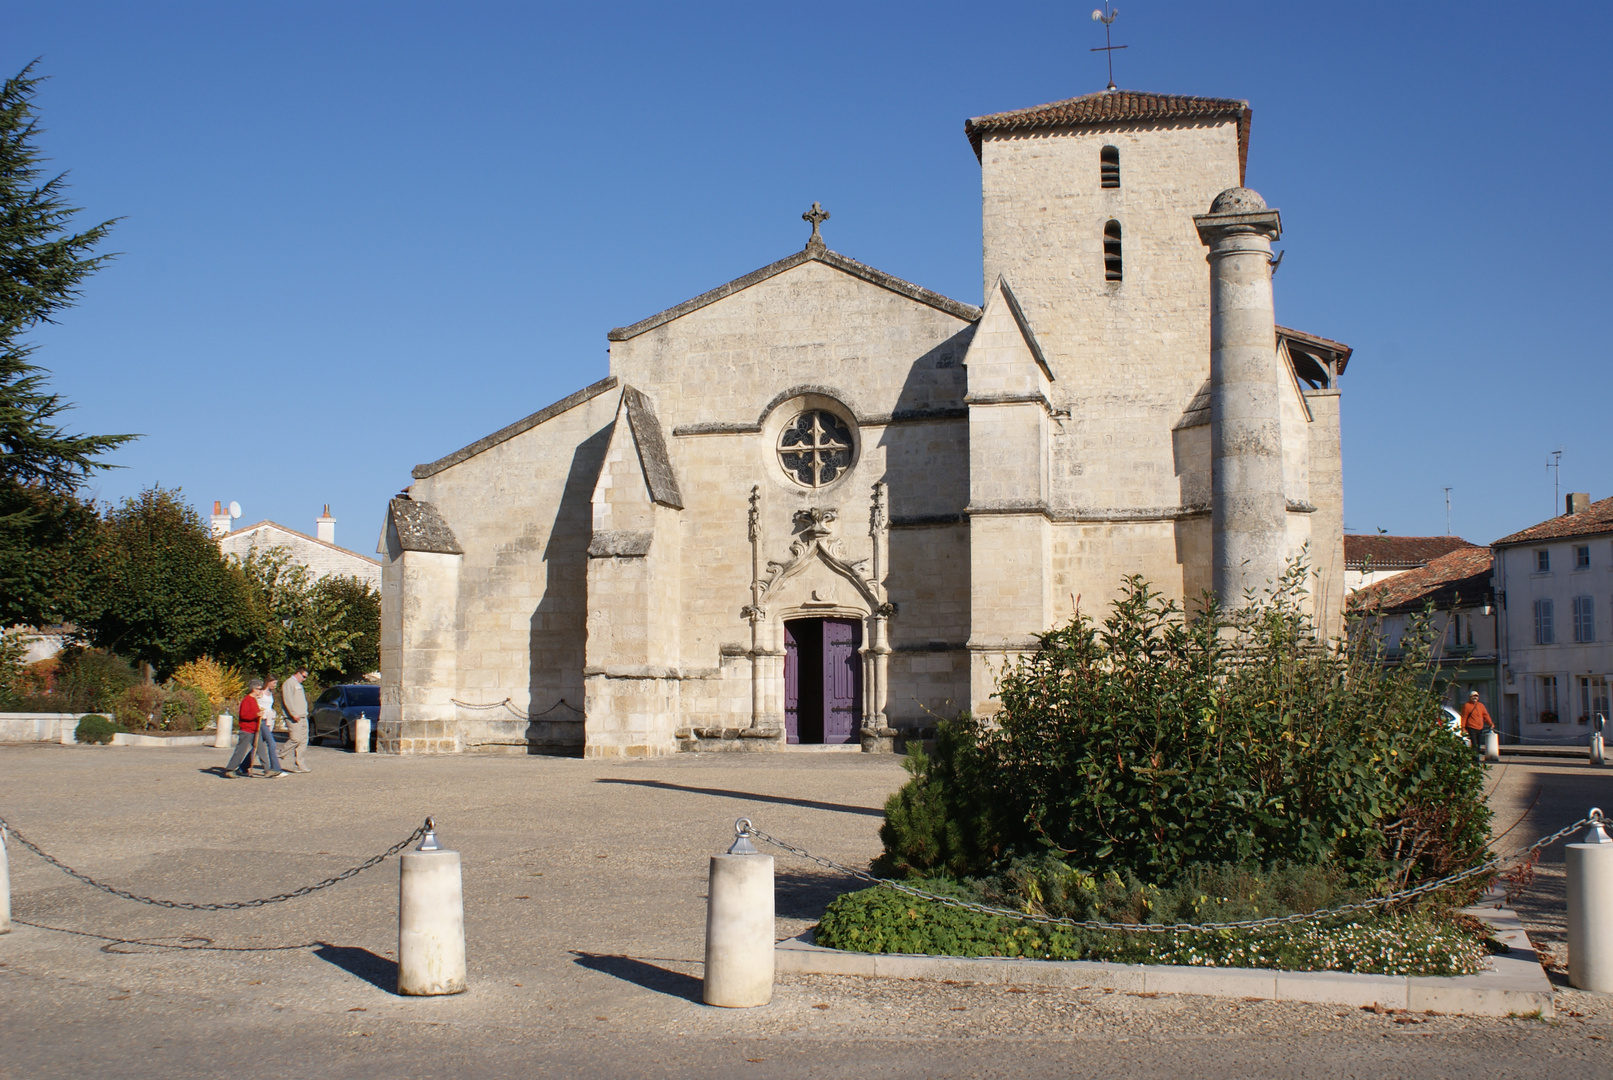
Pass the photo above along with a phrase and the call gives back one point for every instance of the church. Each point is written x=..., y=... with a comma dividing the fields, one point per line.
x=823, y=505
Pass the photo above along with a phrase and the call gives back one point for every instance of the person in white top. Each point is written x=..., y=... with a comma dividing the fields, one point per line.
x=271, y=749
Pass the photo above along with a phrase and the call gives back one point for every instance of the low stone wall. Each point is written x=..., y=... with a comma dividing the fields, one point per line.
x=37, y=727
x=62, y=728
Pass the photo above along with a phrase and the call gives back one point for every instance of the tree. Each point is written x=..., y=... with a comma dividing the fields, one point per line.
x=165, y=594
x=362, y=618
x=45, y=531
x=329, y=625
x=48, y=541
x=42, y=264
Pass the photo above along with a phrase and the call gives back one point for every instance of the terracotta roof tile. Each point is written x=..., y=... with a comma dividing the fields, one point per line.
x=1463, y=576
x=1397, y=552
x=1116, y=106
x=1596, y=518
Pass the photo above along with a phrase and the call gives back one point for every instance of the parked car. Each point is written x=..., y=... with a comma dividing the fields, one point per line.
x=1452, y=717
x=333, y=712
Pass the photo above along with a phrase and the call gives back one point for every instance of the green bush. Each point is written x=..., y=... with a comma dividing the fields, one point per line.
x=96, y=729
x=91, y=680
x=185, y=710
x=879, y=920
x=139, y=707
x=1159, y=743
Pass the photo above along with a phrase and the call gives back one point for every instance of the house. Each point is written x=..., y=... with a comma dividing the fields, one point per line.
x=1454, y=593
x=318, y=553
x=1370, y=559
x=1554, y=582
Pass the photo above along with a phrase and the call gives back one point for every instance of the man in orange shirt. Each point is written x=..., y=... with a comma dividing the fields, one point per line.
x=1476, y=721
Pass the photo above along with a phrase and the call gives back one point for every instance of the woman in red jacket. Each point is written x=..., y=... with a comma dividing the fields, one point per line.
x=246, y=735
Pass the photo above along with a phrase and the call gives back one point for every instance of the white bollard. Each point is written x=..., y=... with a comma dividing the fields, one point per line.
x=739, y=926
x=1492, y=745
x=221, y=737
x=431, y=920
x=1590, y=903
x=5, y=886
x=1596, y=748
x=361, y=735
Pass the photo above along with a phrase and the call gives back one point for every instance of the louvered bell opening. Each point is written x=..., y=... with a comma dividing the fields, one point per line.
x=1109, y=167
x=1111, y=251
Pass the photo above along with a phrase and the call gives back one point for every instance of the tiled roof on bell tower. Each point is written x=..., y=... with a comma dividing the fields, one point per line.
x=1115, y=106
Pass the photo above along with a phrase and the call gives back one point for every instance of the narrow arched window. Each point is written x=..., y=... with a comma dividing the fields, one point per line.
x=1111, y=251
x=1109, y=166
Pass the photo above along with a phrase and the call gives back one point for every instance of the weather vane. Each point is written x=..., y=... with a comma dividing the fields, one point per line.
x=1107, y=18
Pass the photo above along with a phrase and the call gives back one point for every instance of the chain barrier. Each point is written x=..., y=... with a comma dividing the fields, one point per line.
x=509, y=705
x=745, y=828
x=233, y=905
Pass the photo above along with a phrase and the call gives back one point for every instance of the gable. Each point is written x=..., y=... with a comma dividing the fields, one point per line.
x=809, y=321
x=812, y=253
x=1005, y=360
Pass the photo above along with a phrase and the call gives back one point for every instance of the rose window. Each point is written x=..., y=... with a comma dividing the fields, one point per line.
x=815, y=448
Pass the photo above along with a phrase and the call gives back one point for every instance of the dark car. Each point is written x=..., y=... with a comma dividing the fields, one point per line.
x=333, y=712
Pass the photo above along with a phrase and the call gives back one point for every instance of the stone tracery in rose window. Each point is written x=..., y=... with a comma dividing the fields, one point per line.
x=815, y=448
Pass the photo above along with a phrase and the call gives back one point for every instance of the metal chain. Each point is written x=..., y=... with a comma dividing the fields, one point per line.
x=233, y=905
x=744, y=826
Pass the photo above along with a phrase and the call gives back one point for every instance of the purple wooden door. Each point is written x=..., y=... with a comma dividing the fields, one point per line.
x=792, y=685
x=842, y=680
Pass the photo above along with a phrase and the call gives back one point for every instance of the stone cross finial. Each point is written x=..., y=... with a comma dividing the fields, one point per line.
x=817, y=216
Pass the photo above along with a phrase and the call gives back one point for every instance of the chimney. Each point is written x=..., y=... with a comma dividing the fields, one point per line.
x=1578, y=502
x=221, y=519
x=326, y=526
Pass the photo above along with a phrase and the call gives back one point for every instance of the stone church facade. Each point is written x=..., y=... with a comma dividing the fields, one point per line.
x=823, y=504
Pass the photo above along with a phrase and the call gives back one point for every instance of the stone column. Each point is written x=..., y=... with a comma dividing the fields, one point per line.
x=1248, y=516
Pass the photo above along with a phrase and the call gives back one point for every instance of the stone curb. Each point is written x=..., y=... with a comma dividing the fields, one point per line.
x=1515, y=985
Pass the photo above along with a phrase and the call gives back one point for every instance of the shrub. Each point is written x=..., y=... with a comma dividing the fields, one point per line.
x=185, y=710
x=880, y=920
x=91, y=680
x=96, y=729
x=138, y=707
x=1158, y=743
x=217, y=684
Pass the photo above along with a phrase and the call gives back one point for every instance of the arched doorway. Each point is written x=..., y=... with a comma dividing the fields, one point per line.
x=823, y=691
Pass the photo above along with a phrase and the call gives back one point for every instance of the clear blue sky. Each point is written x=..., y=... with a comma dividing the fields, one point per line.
x=358, y=236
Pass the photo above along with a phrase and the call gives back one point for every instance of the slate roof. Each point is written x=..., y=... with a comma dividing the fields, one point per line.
x=421, y=528
x=812, y=253
x=1461, y=577
x=1596, y=518
x=1113, y=107
x=1398, y=552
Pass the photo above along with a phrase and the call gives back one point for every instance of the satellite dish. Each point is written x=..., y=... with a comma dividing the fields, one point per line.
x=235, y=509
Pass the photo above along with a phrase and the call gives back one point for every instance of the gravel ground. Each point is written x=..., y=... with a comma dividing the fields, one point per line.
x=585, y=891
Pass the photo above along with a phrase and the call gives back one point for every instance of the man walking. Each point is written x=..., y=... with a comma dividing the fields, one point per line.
x=296, y=703
x=1476, y=721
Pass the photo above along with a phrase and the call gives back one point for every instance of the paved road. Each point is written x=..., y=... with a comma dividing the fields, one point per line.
x=585, y=888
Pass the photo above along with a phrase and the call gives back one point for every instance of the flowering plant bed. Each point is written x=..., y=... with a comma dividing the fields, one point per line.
x=1418, y=943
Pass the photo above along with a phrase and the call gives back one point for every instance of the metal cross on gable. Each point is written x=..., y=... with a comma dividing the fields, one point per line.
x=817, y=216
x=1107, y=18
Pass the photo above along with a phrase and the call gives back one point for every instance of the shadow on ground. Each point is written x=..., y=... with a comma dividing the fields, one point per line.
x=804, y=895
x=811, y=804
x=379, y=971
x=638, y=972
